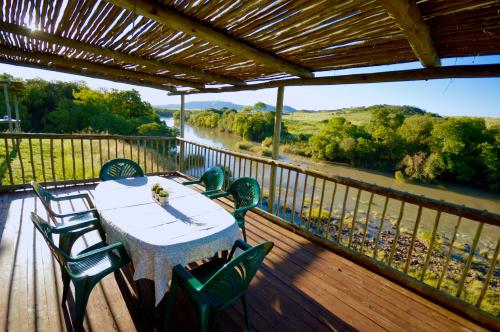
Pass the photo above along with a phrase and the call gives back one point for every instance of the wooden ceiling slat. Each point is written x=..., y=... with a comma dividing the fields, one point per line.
x=179, y=22
x=317, y=35
x=114, y=54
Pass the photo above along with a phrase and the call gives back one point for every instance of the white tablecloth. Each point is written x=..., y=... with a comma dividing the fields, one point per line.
x=191, y=227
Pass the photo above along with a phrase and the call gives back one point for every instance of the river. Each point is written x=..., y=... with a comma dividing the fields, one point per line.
x=461, y=195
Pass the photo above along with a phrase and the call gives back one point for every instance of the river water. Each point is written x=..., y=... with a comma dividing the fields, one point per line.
x=471, y=197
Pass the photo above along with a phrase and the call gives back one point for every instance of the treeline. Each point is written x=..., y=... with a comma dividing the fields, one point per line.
x=420, y=147
x=250, y=123
x=414, y=144
x=68, y=107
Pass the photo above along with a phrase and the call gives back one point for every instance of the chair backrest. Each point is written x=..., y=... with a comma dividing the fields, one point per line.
x=47, y=231
x=213, y=178
x=119, y=169
x=44, y=196
x=246, y=192
x=232, y=280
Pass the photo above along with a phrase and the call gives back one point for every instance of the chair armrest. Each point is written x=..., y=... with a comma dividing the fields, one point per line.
x=185, y=183
x=186, y=278
x=210, y=193
x=238, y=244
x=115, y=246
x=70, y=214
x=222, y=194
x=76, y=196
x=245, y=208
x=76, y=225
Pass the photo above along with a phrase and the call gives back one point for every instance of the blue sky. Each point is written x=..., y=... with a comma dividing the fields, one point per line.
x=480, y=97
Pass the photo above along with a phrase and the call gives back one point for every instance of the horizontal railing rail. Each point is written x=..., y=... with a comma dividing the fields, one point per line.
x=443, y=250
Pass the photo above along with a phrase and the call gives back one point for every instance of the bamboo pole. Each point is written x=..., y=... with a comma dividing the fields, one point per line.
x=65, y=62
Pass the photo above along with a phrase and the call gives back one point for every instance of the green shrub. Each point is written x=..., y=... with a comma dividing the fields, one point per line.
x=243, y=145
x=267, y=142
x=266, y=152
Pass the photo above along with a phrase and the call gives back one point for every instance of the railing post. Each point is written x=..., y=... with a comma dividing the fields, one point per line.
x=181, y=144
x=276, y=147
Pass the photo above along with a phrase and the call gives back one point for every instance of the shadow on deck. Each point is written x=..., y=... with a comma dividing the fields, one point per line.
x=300, y=287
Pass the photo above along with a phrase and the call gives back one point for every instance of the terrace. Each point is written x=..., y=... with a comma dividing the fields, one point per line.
x=301, y=285
x=349, y=254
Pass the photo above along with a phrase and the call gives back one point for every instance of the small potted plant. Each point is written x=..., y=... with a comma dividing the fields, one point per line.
x=163, y=197
x=157, y=191
x=154, y=188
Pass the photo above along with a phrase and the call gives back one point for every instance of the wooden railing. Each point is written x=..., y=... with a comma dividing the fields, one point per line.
x=445, y=251
x=60, y=159
x=442, y=250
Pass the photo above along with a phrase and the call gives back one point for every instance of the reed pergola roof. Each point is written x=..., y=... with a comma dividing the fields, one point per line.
x=208, y=44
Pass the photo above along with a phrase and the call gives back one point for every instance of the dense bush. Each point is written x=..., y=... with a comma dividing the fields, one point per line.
x=251, y=123
x=62, y=107
x=423, y=147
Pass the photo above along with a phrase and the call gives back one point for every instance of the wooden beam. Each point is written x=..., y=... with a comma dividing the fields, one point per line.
x=94, y=67
x=177, y=21
x=132, y=59
x=470, y=71
x=409, y=19
x=86, y=73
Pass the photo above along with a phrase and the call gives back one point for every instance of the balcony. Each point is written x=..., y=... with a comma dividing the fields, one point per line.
x=326, y=272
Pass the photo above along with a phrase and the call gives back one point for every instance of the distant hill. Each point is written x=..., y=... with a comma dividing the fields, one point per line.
x=218, y=104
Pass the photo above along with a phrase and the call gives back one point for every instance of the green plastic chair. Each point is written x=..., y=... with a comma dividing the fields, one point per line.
x=119, y=169
x=212, y=179
x=84, y=269
x=215, y=285
x=246, y=195
x=88, y=218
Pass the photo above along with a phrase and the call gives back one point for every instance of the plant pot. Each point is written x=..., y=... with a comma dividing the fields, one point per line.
x=163, y=200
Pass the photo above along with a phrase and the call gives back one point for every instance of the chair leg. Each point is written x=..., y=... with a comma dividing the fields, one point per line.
x=204, y=314
x=245, y=310
x=169, y=306
x=212, y=319
x=82, y=292
x=66, y=280
x=244, y=232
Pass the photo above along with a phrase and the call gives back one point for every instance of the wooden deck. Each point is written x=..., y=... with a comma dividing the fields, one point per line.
x=300, y=287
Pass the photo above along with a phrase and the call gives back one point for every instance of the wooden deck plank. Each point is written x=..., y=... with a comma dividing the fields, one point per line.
x=301, y=286
x=346, y=280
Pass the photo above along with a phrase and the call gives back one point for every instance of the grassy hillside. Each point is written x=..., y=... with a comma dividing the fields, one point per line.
x=309, y=122
x=306, y=122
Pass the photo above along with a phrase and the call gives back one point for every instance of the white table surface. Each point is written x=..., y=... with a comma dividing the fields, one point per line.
x=190, y=228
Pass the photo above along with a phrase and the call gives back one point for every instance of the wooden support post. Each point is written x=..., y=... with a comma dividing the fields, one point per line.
x=181, y=156
x=7, y=105
x=16, y=109
x=276, y=147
